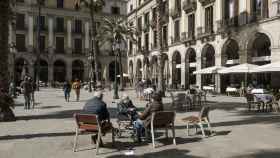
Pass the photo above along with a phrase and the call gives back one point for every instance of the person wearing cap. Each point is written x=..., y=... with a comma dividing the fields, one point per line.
x=97, y=106
x=145, y=117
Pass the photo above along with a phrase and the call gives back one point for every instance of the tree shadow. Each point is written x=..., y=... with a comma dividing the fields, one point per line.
x=37, y=135
x=62, y=115
x=261, y=154
x=48, y=107
x=161, y=154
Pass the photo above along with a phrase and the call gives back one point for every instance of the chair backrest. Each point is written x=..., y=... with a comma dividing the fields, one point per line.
x=87, y=120
x=162, y=118
x=250, y=97
x=204, y=113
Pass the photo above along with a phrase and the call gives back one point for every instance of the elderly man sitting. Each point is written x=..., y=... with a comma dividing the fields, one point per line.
x=126, y=108
x=97, y=106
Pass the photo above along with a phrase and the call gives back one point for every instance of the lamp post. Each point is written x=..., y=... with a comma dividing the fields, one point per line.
x=38, y=64
x=90, y=59
x=13, y=52
x=118, y=47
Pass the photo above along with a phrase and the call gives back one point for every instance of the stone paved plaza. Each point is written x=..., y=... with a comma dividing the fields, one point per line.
x=48, y=131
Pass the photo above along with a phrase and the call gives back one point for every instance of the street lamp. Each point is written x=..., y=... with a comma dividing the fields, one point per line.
x=118, y=47
x=90, y=59
x=13, y=51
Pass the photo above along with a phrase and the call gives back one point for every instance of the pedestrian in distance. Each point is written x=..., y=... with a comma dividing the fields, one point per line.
x=32, y=94
x=67, y=90
x=77, y=87
x=26, y=90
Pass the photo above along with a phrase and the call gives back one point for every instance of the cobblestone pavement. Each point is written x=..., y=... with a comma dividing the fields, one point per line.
x=48, y=131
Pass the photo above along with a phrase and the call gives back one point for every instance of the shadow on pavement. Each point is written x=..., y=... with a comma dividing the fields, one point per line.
x=261, y=154
x=37, y=135
x=61, y=115
x=161, y=154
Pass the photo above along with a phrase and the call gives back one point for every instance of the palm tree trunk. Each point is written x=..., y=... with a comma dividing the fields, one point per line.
x=4, y=33
x=95, y=42
x=161, y=87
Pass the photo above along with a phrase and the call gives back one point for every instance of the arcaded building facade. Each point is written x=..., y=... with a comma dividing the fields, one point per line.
x=65, y=40
x=202, y=33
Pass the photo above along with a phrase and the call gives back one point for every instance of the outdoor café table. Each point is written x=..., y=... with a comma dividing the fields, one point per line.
x=208, y=88
x=265, y=98
x=231, y=90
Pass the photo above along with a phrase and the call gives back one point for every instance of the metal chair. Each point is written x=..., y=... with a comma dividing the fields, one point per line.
x=252, y=101
x=200, y=120
x=163, y=120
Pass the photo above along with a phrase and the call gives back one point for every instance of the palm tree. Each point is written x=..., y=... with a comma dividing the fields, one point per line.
x=94, y=6
x=116, y=30
x=4, y=48
x=6, y=102
x=160, y=13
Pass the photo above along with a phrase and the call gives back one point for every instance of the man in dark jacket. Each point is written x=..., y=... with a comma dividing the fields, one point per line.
x=97, y=106
x=145, y=117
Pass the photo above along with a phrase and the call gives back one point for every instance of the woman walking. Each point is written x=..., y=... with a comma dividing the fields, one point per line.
x=77, y=86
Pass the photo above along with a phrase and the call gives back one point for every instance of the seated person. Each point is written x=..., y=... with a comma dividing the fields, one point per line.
x=126, y=108
x=144, y=119
x=97, y=106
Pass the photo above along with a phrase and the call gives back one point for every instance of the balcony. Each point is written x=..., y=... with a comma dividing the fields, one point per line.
x=188, y=38
x=189, y=5
x=175, y=13
x=206, y=2
x=205, y=33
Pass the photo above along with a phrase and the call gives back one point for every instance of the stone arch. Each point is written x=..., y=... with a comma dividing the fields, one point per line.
x=259, y=52
x=208, y=60
x=176, y=69
x=59, y=70
x=78, y=70
x=207, y=56
x=230, y=55
x=259, y=46
x=190, y=62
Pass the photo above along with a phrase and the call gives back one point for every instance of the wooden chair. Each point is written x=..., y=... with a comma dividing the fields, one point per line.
x=252, y=101
x=163, y=120
x=200, y=120
x=88, y=123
